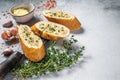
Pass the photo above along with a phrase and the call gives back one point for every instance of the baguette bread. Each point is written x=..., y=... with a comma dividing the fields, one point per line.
x=63, y=18
x=39, y=27
x=51, y=31
x=31, y=44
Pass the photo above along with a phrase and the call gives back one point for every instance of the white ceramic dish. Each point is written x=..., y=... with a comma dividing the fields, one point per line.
x=24, y=18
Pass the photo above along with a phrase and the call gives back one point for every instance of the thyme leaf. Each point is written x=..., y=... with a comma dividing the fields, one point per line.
x=55, y=60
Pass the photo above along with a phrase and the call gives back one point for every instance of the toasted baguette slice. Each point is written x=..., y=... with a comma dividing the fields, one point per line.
x=31, y=44
x=39, y=27
x=63, y=18
x=52, y=31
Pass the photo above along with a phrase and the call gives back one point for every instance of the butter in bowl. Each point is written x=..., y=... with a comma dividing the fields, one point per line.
x=23, y=13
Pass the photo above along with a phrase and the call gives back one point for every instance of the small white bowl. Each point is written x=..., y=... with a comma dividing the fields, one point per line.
x=24, y=18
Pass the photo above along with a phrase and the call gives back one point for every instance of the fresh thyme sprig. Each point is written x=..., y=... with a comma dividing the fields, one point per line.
x=55, y=60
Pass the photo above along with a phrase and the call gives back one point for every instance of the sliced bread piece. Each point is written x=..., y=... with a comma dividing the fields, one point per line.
x=63, y=18
x=39, y=27
x=31, y=44
x=52, y=31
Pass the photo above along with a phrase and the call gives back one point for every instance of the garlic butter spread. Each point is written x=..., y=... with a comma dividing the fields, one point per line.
x=58, y=14
x=29, y=37
x=20, y=11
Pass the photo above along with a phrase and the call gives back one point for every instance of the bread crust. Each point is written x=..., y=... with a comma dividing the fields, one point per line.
x=47, y=35
x=32, y=53
x=35, y=30
x=72, y=23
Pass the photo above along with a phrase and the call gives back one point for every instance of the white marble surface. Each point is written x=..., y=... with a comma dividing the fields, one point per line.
x=101, y=37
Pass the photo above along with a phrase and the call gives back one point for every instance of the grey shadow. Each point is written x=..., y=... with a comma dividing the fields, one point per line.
x=32, y=21
x=114, y=7
x=46, y=43
x=80, y=31
x=68, y=70
x=79, y=65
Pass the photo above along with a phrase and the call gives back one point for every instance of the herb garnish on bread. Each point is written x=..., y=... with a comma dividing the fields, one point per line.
x=63, y=18
x=50, y=30
x=31, y=44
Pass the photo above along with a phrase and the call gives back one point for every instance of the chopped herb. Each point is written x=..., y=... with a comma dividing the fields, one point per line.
x=48, y=25
x=27, y=34
x=51, y=29
x=54, y=14
x=55, y=26
x=42, y=24
x=51, y=15
x=62, y=29
x=42, y=27
x=30, y=38
x=25, y=28
x=23, y=31
x=36, y=40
